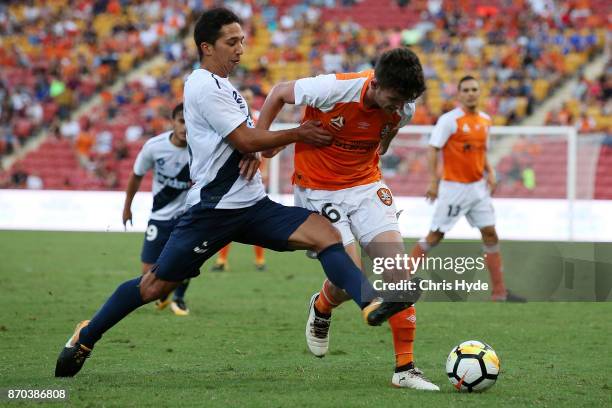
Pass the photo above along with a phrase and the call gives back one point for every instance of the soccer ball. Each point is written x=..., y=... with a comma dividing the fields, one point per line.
x=472, y=366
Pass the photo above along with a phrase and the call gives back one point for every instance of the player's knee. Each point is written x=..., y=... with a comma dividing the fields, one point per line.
x=146, y=268
x=327, y=236
x=152, y=288
x=489, y=236
x=324, y=234
x=434, y=237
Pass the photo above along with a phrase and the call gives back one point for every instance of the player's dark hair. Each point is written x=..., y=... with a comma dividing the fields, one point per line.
x=208, y=27
x=177, y=109
x=400, y=69
x=465, y=78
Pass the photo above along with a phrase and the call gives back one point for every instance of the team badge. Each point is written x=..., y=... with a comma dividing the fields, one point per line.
x=337, y=123
x=385, y=196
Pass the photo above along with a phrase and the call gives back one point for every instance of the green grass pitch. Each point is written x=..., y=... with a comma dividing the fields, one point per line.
x=243, y=344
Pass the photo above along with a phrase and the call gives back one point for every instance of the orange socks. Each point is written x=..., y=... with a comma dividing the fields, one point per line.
x=494, y=265
x=259, y=255
x=326, y=302
x=403, y=328
x=223, y=254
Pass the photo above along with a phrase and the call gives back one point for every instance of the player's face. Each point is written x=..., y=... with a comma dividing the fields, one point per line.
x=178, y=127
x=469, y=93
x=388, y=100
x=229, y=47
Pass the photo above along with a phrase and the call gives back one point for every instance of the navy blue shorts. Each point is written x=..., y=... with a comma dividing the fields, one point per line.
x=201, y=232
x=156, y=236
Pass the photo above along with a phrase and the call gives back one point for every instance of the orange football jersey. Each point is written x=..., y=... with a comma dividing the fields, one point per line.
x=463, y=139
x=352, y=159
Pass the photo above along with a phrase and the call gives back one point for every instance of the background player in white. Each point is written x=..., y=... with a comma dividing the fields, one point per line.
x=227, y=201
x=166, y=154
x=468, y=180
x=344, y=182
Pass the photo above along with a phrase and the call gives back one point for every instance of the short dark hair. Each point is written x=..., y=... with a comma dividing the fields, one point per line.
x=177, y=109
x=465, y=78
x=400, y=69
x=207, y=28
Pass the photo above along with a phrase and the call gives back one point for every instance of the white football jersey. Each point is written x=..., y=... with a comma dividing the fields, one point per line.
x=213, y=109
x=171, y=180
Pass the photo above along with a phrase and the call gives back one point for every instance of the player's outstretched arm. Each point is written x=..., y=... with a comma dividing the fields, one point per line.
x=434, y=179
x=130, y=192
x=250, y=140
x=282, y=93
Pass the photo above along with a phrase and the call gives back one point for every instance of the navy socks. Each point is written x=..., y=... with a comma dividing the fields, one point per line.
x=125, y=300
x=342, y=272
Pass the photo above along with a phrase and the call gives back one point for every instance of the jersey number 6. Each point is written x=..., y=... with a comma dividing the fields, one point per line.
x=330, y=213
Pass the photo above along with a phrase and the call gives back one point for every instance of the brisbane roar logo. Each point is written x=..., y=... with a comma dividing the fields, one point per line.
x=337, y=123
x=385, y=196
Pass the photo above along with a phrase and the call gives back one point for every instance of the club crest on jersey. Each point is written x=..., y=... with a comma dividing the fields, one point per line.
x=386, y=130
x=160, y=162
x=337, y=123
x=385, y=196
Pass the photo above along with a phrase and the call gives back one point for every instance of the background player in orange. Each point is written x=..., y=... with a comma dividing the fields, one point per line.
x=343, y=181
x=468, y=180
x=221, y=264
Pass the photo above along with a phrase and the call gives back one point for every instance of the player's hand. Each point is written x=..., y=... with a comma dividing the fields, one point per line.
x=249, y=164
x=432, y=192
x=382, y=149
x=312, y=132
x=127, y=216
x=491, y=183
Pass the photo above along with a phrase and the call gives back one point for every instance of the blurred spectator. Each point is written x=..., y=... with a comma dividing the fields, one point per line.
x=585, y=123
x=34, y=182
x=133, y=133
x=19, y=177
x=83, y=146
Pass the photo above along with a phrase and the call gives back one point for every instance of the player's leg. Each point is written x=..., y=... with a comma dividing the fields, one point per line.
x=186, y=250
x=493, y=260
x=482, y=216
x=179, y=305
x=155, y=237
x=383, y=240
x=320, y=309
x=284, y=228
x=221, y=262
x=260, y=260
x=128, y=296
x=424, y=245
x=452, y=204
x=157, y=234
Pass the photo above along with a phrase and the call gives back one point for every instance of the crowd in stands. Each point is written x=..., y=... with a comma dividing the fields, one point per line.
x=519, y=50
x=57, y=54
x=590, y=108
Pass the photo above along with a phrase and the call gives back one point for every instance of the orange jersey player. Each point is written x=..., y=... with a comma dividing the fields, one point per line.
x=363, y=111
x=468, y=180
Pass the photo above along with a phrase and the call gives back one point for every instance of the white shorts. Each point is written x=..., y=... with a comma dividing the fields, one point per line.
x=458, y=199
x=362, y=211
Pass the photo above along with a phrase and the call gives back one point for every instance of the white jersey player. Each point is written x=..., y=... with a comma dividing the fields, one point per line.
x=167, y=156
